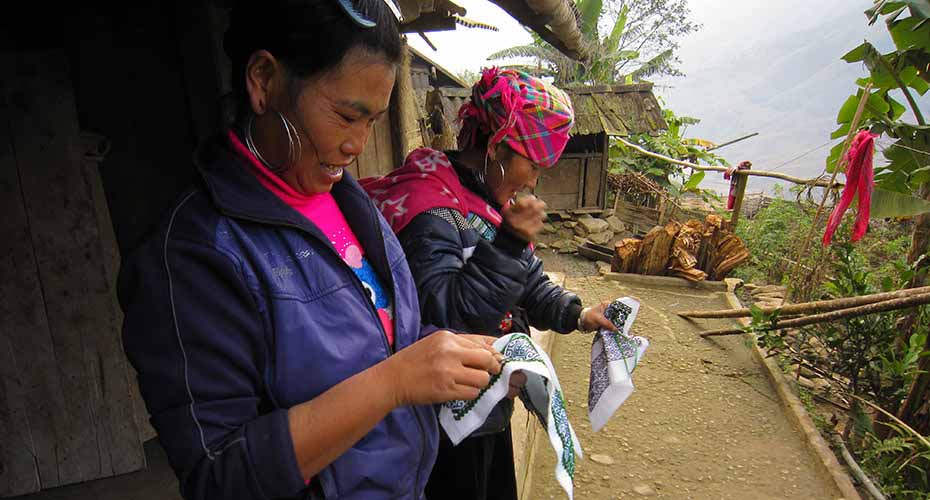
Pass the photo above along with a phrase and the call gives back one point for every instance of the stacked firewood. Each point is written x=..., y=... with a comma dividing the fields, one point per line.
x=694, y=250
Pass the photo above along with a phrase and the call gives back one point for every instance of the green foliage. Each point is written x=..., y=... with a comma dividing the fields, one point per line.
x=764, y=326
x=640, y=43
x=469, y=76
x=905, y=71
x=669, y=143
x=900, y=464
x=893, y=204
x=862, y=349
x=770, y=236
x=807, y=400
x=773, y=233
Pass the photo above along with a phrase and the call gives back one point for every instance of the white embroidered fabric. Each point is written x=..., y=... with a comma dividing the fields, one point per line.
x=542, y=396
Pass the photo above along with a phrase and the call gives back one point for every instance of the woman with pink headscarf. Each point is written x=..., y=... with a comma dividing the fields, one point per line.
x=468, y=239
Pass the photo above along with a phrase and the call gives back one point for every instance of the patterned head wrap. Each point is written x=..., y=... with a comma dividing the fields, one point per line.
x=528, y=114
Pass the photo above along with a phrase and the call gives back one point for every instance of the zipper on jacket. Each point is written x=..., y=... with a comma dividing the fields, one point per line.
x=371, y=308
x=416, y=416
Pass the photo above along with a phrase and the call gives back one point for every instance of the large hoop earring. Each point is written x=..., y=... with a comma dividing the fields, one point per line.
x=294, y=146
x=482, y=176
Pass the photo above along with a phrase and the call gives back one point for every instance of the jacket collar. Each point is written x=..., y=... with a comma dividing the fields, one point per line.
x=238, y=194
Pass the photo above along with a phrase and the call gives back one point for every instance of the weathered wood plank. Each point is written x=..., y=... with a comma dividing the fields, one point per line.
x=593, y=174
x=119, y=394
x=377, y=157
x=559, y=201
x=353, y=169
x=563, y=179
x=79, y=300
x=25, y=344
x=594, y=254
x=385, y=146
x=134, y=102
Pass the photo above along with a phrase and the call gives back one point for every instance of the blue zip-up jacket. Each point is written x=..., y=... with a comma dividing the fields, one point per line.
x=238, y=308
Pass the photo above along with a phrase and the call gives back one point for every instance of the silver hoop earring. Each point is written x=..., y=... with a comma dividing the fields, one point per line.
x=294, y=147
x=293, y=144
x=482, y=176
x=250, y=143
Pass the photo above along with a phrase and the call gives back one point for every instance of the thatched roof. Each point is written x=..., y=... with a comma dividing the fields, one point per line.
x=616, y=109
x=438, y=68
x=555, y=21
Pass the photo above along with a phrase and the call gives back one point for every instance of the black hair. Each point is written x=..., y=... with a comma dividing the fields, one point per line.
x=309, y=37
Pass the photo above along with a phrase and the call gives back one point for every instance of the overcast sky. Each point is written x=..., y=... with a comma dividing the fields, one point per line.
x=755, y=66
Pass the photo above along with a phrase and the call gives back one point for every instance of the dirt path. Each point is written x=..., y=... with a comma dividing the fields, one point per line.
x=703, y=422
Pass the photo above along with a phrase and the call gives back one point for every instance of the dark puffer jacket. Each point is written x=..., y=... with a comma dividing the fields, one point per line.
x=469, y=275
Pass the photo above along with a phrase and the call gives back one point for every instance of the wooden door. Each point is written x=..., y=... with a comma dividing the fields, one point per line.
x=66, y=408
x=560, y=186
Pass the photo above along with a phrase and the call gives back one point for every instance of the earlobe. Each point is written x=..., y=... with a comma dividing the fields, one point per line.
x=259, y=73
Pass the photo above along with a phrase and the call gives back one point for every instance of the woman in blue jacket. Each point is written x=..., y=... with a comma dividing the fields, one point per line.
x=272, y=317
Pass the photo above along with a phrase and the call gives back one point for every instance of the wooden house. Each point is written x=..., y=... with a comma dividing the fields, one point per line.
x=101, y=108
x=579, y=180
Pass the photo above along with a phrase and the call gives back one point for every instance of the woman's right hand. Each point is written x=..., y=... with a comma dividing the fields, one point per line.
x=442, y=367
x=525, y=217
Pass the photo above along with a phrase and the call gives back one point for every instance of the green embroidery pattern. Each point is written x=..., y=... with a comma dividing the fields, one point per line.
x=563, y=429
x=518, y=348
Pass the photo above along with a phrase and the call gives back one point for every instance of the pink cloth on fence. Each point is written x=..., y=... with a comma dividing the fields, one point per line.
x=728, y=175
x=859, y=180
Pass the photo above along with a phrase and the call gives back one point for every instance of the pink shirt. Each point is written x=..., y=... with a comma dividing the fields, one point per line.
x=322, y=210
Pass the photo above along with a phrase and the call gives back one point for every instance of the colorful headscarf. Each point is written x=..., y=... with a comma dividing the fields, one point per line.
x=528, y=114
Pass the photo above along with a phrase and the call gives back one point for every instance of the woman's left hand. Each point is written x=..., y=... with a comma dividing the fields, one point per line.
x=592, y=318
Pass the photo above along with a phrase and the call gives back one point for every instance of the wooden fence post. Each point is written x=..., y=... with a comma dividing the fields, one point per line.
x=741, y=181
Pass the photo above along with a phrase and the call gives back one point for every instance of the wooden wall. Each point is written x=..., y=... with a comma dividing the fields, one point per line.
x=576, y=181
x=378, y=156
x=66, y=404
x=579, y=179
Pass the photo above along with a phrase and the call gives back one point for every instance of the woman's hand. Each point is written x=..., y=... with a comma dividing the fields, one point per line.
x=525, y=217
x=592, y=318
x=442, y=367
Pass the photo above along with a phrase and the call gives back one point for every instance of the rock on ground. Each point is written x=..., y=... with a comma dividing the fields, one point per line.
x=602, y=238
x=615, y=224
x=590, y=225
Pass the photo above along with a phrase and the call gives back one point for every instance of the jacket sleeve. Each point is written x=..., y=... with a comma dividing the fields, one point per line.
x=470, y=294
x=549, y=306
x=193, y=333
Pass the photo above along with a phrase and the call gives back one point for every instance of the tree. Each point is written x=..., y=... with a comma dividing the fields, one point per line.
x=469, y=76
x=672, y=143
x=638, y=41
x=653, y=28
